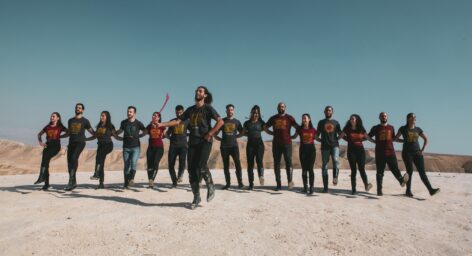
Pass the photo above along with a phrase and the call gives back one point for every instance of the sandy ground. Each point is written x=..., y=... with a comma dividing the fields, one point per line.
x=142, y=221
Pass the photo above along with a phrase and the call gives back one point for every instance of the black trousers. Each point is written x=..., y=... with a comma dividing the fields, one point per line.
x=73, y=153
x=410, y=158
x=381, y=161
x=175, y=152
x=153, y=156
x=356, y=158
x=277, y=152
x=307, y=159
x=234, y=153
x=102, y=151
x=197, y=160
x=255, y=150
x=50, y=151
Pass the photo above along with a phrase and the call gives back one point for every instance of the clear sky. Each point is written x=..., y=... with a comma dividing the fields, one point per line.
x=359, y=56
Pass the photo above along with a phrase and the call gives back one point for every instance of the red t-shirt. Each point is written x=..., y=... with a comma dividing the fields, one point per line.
x=53, y=133
x=384, y=136
x=281, y=128
x=354, y=138
x=307, y=136
x=155, y=136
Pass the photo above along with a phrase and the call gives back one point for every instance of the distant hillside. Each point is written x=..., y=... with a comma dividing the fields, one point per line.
x=18, y=158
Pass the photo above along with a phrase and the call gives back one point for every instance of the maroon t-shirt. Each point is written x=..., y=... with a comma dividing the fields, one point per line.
x=53, y=133
x=307, y=136
x=354, y=138
x=384, y=136
x=155, y=136
x=281, y=128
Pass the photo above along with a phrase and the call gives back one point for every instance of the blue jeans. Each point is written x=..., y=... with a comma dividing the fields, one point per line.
x=325, y=154
x=130, y=157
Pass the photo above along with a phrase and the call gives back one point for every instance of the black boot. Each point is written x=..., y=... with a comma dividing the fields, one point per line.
x=41, y=176
x=325, y=183
x=131, y=177
x=96, y=175
x=379, y=185
x=72, y=181
x=210, y=186
x=46, y=181
x=196, y=195
x=126, y=179
x=433, y=191
x=305, y=183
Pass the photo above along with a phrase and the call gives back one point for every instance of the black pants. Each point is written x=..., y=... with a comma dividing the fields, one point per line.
x=73, y=152
x=234, y=153
x=356, y=158
x=51, y=150
x=175, y=152
x=255, y=150
x=197, y=159
x=154, y=155
x=307, y=160
x=102, y=151
x=392, y=163
x=277, y=152
x=410, y=158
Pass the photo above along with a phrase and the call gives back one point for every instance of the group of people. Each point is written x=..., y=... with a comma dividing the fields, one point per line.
x=191, y=134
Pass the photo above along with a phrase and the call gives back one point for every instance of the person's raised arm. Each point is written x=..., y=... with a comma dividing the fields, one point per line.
x=170, y=123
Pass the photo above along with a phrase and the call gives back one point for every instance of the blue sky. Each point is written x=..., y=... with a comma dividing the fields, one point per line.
x=359, y=56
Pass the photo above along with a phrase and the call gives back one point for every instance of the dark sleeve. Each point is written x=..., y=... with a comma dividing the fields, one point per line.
x=87, y=124
x=420, y=131
x=372, y=132
x=239, y=126
x=185, y=116
x=213, y=113
x=294, y=123
x=44, y=129
x=314, y=131
x=113, y=127
x=69, y=122
x=338, y=128
x=141, y=126
x=122, y=125
x=393, y=131
x=270, y=122
x=245, y=125
x=401, y=131
x=319, y=128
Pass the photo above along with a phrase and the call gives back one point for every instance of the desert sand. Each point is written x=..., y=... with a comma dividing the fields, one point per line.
x=143, y=221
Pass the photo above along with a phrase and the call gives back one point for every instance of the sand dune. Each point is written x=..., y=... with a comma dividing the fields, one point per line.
x=17, y=158
x=141, y=221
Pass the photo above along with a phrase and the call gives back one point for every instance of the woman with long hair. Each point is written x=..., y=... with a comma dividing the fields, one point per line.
x=155, y=149
x=354, y=133
x=52, y=146
x=307, y=152
x=105, y=129
x=412, y=153
x=252, y=128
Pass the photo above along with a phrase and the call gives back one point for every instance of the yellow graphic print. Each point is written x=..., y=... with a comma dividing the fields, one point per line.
x=280, y=124
x=307, y=137
x=195, y=119
x=229, y=128
x=179, y=129
x=412, y=137
x=75, y=128
x=329, y=127
x=155, y=133
x=385, y=135
x=101, y=132
x=52, y=134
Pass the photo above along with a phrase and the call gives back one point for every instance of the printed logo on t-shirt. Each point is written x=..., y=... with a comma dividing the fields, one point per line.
x=179, y=129
x=75, y=128
x=52, y=134
x=101, y=132
x=412, y=137
x=280, y=124
x=155, y=133
x=329, y=127
x=385, y=135
x=195, y=119
x=307, y=138
x=229, y=128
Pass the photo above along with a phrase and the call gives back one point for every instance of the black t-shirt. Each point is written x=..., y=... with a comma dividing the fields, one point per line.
x=329, y=130
x=411, y=136
x=253, y=130
x=199, y=121
x=77, y=127
x=131, y=133
x=178, y=134
x=104, y=134
x=230, y=129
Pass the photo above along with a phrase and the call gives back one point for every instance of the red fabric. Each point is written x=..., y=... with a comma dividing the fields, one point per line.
x=307, y=136
x=53, y=133
x=281, y=128
x=155, y=136
x=354, y=138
